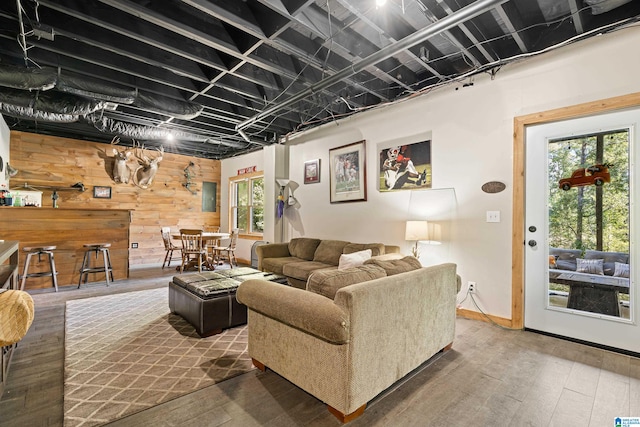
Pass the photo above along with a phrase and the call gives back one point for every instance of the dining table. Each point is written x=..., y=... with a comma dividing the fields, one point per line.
x=210, y=239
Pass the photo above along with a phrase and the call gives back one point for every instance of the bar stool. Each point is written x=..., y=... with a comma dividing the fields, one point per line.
x=86, y=262
x=40, y=250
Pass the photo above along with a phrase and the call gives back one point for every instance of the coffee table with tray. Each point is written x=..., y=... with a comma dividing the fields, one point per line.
x=207, y=300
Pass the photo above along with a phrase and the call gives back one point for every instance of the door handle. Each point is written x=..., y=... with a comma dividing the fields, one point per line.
x=533, y=243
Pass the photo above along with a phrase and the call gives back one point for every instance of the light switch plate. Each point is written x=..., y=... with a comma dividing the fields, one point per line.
x=493, y=216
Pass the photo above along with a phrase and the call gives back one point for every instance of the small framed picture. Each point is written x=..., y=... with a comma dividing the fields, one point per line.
x=312, y=171
x=101, y=192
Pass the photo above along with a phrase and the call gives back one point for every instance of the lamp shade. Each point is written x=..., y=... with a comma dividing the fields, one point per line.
x=423, y=231
x=435, y=234
x=417, y=230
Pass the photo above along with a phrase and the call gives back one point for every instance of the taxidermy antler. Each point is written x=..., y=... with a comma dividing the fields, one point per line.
x=146, y=172
x=121, y=171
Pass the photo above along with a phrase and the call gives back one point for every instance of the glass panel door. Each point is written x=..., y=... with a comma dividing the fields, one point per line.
x=589, y=223
x=580, y=256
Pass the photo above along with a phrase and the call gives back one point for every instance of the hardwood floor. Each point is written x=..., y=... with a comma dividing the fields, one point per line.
x=491, y=377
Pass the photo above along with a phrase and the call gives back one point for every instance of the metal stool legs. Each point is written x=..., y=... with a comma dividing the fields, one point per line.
x=86, y=262
x=45, y=250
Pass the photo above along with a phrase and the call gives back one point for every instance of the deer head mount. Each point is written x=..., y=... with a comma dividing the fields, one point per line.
x=148, y=166
x=134, y=164
x=121, y=169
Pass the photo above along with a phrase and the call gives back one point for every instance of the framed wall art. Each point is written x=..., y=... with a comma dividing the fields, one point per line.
x=100, y=192
x=405, y=167
x=312, y=171
x=348, y=177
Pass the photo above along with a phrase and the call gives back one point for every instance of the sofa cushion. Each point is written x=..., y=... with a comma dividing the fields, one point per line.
x=328, y=282
x=396, y=266
x=353, y=259
x=589, y=266
x=565, y=258
x=275, y=265
x=376, y=248
x=389, y=256
x=621, y=270
x=303, y=247
x=610, y=259
x=329, y=251
x=302, y=269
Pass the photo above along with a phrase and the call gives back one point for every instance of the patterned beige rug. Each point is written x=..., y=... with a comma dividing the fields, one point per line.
x=126, y=352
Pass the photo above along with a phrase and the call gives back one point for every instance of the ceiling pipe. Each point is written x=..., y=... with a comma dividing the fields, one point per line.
x=466, y=13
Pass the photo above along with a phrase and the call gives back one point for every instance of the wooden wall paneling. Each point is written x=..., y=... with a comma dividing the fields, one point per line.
x=68, y=230
x=46, y=160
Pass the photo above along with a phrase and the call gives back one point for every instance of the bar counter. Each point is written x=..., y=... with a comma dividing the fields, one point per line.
x=68, y=229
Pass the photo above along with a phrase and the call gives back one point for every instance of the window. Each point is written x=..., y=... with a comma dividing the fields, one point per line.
x=246, y=203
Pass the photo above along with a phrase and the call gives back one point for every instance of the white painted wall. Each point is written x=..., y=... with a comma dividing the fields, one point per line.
x=229, y=168
x=4, y=150
x=472, y=133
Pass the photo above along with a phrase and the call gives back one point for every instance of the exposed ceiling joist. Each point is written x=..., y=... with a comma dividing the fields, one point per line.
x=205, y=69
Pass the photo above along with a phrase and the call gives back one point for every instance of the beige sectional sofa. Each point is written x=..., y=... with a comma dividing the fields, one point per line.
x=301, y=256
x=353, y=332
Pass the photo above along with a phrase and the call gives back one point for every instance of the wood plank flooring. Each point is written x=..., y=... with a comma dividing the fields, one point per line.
x=491, y=377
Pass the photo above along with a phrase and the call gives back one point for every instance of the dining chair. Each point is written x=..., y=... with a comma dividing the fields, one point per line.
x=169, y=246
x=192, y=247
x=212, y=243
x=228, y=252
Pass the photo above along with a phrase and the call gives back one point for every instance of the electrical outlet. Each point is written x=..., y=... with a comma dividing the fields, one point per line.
x=134, y=246
x=472, y=287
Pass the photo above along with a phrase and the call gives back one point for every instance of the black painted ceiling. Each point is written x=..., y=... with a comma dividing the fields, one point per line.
x=218, y=73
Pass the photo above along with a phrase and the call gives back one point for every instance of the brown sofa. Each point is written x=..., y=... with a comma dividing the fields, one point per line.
x=353, y=332
x=302, y=256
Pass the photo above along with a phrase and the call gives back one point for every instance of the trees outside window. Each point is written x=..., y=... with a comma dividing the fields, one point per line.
x=246, y=203
x=590, y=217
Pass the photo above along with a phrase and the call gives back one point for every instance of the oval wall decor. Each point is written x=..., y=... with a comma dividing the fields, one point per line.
x=493, y=187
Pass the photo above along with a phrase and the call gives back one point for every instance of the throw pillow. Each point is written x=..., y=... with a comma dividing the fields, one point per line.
x=396, y=266
x=328, y=282
x=622, y=270
x=329, y=251
x=590, y=266
x=353, y=259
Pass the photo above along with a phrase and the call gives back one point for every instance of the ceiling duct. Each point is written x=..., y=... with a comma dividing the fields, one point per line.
x=31, y=114
x=602, y=6
x=47, y=78
x=167, y=106
x=50, y=102
x=27, y=78
x=109, y=125
x=91, y=89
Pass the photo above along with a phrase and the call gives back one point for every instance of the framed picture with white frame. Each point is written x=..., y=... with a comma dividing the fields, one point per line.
x=348, y=174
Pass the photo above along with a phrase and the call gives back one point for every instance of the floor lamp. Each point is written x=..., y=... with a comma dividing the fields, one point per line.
x=422, y=231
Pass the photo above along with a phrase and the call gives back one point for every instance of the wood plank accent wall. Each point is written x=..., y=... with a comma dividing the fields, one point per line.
x=67, y=229
x=48, y=160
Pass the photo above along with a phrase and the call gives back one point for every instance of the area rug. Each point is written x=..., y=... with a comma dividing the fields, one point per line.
x=125, y=353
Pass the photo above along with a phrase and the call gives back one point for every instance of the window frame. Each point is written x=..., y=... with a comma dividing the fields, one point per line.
x=233, y=181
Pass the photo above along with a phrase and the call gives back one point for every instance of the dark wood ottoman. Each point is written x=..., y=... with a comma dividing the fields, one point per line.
x=207, y=300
